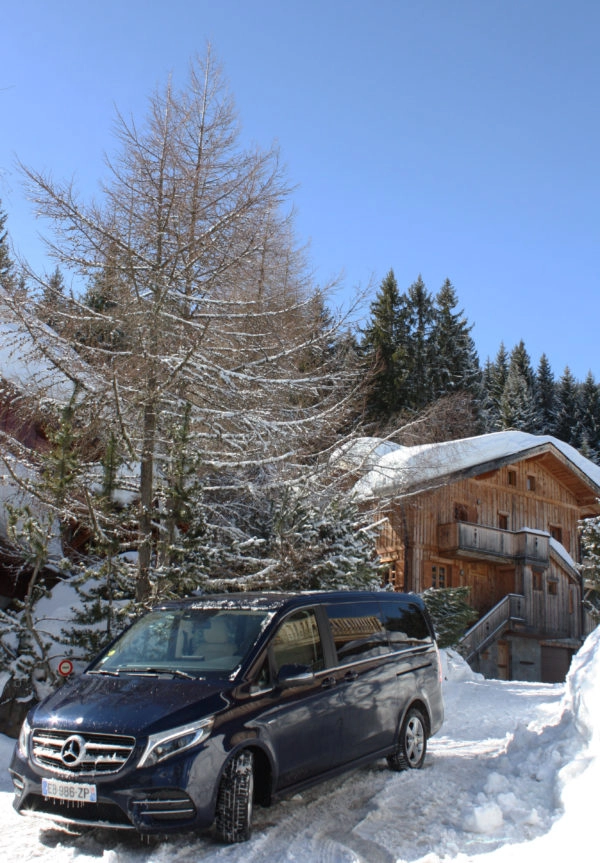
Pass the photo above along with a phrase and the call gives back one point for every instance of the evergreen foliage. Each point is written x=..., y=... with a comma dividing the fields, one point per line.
x=590, y=566
x=7, y=268
x=517, y=401
x=417, y=347
x=588, y=418
x=450, y=612
x=545, y=397
x=456, y=364
x=421, y=351
x=381, y=342
x=567, y=409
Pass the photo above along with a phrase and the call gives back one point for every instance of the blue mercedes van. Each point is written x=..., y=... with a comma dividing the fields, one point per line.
x=208, y=706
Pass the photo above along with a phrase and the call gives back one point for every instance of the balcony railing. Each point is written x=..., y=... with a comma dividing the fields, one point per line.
x=477, y=540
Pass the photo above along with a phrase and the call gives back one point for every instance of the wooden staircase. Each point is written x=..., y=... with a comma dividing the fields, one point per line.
x=491, y=626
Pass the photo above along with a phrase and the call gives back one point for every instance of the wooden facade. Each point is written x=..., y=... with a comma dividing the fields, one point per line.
x=506, y=528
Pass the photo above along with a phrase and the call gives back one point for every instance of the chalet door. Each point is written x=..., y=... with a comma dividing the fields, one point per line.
x=555, y=663
x=503, y=662
x=504, y=582
x=480, y=591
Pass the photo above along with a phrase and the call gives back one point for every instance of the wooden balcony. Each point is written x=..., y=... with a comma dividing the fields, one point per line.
x=490, y=543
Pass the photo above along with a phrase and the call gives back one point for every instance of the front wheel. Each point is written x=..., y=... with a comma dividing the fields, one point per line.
x=412, y=743
x=233, y=819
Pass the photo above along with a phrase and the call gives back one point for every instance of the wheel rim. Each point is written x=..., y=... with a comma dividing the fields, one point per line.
x=414, y=740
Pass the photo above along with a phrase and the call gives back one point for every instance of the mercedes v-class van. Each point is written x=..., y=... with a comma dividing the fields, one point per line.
x=205, y=707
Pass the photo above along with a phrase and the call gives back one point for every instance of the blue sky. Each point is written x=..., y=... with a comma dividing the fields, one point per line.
x=447, y=138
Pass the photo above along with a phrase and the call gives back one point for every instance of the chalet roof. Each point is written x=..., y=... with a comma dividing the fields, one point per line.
x=37, y=366
x=407, y=470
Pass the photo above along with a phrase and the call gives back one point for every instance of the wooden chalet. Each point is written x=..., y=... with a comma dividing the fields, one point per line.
x=498, y=514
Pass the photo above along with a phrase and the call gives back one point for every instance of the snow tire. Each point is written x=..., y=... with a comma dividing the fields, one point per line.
x=412, y=743
x=233, y=819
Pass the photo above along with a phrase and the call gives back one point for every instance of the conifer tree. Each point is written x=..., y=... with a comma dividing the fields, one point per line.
x=494, y=378
x=566, y=428
x=7, y=269
x=381, y=345
x=545, y=397
x=53, y=299
x=517, y=402
x=590, y=565
x=588, y=418
x=456, y=364
x=418, y=349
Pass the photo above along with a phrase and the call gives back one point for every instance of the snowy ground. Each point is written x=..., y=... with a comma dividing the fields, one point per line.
x=512, y=776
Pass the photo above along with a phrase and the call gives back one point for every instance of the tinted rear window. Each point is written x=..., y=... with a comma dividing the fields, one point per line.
x=405, y=625
x=358, y=630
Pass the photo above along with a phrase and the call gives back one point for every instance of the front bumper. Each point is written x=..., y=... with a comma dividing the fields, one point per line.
x=167, y=798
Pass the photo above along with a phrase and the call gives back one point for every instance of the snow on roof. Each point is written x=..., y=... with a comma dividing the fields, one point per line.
x=562, y=552
x=23, y=363
x=407, y=468
x=362, y=453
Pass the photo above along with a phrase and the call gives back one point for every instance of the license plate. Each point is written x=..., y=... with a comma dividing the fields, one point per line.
x=77, y=792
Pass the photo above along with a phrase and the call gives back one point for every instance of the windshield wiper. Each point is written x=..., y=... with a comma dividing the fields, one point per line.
x=175, y=672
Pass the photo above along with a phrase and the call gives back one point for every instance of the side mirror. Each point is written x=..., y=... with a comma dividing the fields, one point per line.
x=295, y=675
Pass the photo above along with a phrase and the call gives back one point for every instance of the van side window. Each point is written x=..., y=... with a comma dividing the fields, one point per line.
x=405, y=625
x=358, y=630
x=297, y=642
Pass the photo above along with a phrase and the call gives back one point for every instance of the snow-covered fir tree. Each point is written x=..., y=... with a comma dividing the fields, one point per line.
x=590, y=566
x=517, y=402
x=588, y=418
x=566, y=427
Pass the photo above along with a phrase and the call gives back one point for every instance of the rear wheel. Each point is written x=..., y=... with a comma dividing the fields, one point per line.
x=412, y=743
x=235, y=799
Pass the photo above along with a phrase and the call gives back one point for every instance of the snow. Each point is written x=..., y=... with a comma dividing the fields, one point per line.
x=23, y=366
x=512, y=777
x=403, y=468
x=362, y=453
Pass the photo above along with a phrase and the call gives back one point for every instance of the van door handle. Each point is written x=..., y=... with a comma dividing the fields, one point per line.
x=349, y=676
x=328, y=682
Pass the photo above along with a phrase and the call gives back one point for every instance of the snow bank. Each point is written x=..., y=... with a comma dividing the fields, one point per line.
x=455, y=668
x=565, y=758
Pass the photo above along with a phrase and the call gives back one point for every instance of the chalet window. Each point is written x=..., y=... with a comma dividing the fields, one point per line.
x=556, y=532
x=440, y=575
x=503, y=520
x=537, y=580
x=461, y=512
x=530, y=483
x=512, y=477
x=553, y=588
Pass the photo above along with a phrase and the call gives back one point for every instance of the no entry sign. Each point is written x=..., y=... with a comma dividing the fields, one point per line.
x=65, y=667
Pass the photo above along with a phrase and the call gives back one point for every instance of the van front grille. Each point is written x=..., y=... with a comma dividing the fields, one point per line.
x=80, y=754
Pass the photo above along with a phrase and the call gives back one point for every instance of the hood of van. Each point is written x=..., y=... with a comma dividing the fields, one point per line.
x=132, y=704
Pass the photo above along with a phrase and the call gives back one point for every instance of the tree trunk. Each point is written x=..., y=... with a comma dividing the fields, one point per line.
x=146, y=501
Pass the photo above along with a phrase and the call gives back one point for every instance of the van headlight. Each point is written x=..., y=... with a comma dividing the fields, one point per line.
x=23, y=741
x=175, y=740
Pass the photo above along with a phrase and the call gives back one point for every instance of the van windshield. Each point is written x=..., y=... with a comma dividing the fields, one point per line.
x=192, y=642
